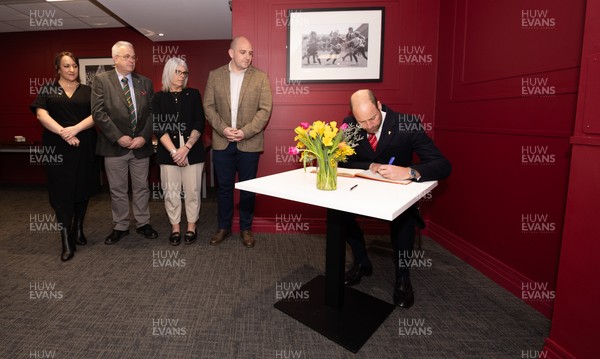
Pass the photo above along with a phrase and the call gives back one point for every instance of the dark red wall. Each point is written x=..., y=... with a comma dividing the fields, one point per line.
x=502, y=210
x=505, y=109
x=405, y=87
x=501, y=87
x=30, y=64
x=574, y=331
x=33, y=55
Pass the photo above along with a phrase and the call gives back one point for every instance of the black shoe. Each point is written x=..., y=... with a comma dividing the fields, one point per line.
x=78, y=217
x=68, y=246
x=115, y=236
x=80, y=239
x=147, y=231
x=189, y=237
x=404, y=296
x=175, y=239
x=77, y=232
x=355, y=273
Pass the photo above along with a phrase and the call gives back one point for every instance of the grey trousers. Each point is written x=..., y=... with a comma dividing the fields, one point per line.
x=118, y=170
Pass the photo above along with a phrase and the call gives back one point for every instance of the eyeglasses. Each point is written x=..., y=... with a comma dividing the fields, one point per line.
x=128, y=57
x=181, y=73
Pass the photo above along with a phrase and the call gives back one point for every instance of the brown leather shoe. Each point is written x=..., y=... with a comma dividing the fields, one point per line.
x=220, y=236
x=247, y=238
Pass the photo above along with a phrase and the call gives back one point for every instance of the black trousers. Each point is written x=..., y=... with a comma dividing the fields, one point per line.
x=402, y=236
x=66, y=212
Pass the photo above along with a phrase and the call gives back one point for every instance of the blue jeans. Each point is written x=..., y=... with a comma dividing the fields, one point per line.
x=226, y=163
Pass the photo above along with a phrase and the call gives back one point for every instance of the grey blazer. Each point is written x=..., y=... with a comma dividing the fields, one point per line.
x=111, y=116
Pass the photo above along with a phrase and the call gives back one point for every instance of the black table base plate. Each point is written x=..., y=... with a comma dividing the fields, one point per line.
x=350, y=326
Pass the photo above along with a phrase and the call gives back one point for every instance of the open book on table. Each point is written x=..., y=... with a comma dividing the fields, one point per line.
x=350, y=172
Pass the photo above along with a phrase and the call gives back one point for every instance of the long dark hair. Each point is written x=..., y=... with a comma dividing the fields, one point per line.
x=59, y=57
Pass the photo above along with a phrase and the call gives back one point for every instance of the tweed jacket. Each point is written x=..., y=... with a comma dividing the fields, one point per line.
x=254, y=107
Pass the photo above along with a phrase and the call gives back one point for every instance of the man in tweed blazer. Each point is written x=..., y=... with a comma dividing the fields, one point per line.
x=120, y=109
x=237, y=103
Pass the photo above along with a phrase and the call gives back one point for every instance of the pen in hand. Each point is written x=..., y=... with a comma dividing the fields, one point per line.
x=391, y=160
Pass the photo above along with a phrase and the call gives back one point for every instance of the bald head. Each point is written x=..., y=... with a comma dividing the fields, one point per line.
x=241, y=53
x=237, y=41
x=366, y=110
x=363, y=97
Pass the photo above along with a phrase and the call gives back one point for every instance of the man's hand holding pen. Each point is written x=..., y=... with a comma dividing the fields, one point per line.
x=390, y=171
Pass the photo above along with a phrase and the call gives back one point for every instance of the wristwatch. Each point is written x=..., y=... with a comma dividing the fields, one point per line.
x=414, y=175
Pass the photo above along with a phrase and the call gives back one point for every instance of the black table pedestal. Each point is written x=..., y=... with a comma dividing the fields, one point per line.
x=342, y=314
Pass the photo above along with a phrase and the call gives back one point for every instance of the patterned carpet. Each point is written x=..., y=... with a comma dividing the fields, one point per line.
x=143, y=298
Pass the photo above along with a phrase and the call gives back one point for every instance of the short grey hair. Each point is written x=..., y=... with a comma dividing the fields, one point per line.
x=117, y=45
x=169, y=71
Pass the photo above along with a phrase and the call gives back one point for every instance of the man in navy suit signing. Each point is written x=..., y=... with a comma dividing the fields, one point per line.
x=390, y=135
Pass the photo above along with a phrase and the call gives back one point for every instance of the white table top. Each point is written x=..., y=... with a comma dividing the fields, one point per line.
x=370, y=198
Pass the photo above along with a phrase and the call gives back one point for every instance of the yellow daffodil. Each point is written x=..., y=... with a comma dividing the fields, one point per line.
x=325, y=142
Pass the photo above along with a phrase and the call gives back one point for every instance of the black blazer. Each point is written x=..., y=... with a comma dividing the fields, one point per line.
x=165, y=119
x=401, y=137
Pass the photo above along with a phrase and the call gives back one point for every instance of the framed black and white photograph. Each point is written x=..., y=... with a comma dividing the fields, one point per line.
x=90, y=67
x=335, y=45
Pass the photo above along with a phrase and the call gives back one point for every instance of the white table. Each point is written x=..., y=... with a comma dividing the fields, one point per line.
x=343, y=314
x=370, y=198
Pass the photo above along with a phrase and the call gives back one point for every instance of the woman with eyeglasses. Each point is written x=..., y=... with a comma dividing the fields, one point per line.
x=73, y=170
x=178, y=122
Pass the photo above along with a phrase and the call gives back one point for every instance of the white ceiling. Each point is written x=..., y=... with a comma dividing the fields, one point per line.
x=176, y=19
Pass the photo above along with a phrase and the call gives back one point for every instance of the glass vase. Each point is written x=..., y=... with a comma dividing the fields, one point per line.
x=327, y=175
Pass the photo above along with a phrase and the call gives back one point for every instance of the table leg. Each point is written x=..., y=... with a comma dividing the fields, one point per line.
x=342, y=314
x=335, y=259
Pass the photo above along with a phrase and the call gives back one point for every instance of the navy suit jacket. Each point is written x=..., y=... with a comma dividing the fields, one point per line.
x=401, y=137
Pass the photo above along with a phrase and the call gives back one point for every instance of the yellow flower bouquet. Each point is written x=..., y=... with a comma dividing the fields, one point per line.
x=329, y=145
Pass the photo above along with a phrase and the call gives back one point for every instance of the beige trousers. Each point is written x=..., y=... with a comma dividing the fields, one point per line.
x=173, y=179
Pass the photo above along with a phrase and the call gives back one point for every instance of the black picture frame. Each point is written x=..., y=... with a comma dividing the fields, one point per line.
x=335, y=45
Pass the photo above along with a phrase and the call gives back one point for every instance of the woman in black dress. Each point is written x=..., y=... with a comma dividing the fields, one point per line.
x=64, y=109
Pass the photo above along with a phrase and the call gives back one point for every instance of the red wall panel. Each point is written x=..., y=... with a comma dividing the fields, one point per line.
x=408, y=87
x=574, y=331
x=506, y=101
x=493, y=52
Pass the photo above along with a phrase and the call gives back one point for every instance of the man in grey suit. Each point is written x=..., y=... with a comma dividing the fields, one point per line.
x=120, y=108
x=237, y=103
